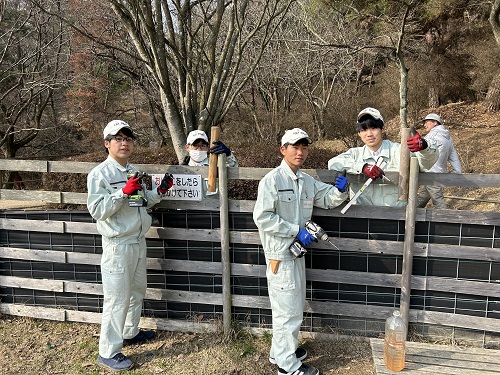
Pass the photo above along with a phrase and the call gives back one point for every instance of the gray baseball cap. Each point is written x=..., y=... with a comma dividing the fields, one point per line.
x=432, y=116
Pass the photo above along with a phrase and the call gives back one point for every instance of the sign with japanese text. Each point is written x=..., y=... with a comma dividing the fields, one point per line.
x=187, y=187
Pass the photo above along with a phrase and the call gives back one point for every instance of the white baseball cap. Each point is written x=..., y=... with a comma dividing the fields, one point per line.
x=114, y=127
x=432, y=116
x=375, y=113
x=294, y=135
x=195, y=135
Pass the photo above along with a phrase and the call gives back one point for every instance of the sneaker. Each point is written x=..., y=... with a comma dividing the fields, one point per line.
x=301, y=354
x=118, y=363
x=140, y=337
x=302, y=370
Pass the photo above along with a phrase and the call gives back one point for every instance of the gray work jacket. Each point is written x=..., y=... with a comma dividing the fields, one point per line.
x=355, y=158
x=284, y=203
x=108, y=205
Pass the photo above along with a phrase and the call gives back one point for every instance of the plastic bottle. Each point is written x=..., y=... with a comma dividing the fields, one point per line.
x=394, y=342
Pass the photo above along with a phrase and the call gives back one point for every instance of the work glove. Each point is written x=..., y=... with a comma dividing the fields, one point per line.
x=166, y=183
x=342, y=183
x=416, y=143
x=373, y=171
x=132, y=185
x=220, y=148
x=305, y=237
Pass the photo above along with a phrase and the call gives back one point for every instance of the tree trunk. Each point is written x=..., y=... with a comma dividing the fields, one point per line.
x=492, y=101
x=433, y=97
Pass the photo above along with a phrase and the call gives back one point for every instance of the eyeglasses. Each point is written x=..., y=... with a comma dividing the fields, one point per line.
x=199, y=146
x=123, y=139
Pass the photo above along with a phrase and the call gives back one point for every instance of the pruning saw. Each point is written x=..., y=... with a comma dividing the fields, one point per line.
x=380, y=163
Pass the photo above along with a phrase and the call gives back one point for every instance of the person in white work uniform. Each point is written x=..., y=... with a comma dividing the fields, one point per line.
x=285, y=200
x=363, y=160
x=123, y=228
x=198, y=148
x=438, y=133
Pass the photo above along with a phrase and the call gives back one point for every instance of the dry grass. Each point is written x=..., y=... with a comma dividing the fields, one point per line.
x=31, y=346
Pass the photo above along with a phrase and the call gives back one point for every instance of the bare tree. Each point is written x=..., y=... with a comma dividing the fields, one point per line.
x=192, y=52
x=386, y=32
x=492, y=101
x=34, y=50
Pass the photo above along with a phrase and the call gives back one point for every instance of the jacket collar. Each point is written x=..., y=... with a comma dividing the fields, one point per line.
x=118, y=165
x=289, y=171
x=384, y=151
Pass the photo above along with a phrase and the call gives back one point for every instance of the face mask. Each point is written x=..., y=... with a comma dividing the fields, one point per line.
x=197, y=155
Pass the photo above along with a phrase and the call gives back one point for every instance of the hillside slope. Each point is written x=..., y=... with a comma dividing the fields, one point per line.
x=474, y=131
x=475, y=135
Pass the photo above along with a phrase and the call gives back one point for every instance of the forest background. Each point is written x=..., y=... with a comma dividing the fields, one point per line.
x=255, y=68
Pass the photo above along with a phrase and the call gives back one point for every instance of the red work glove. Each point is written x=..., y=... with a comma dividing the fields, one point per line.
x=166, y=183
x=132, y=186
x=372, y=171
x=416, y=143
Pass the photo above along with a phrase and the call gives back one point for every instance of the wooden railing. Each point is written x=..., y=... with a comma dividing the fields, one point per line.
x=484, y=289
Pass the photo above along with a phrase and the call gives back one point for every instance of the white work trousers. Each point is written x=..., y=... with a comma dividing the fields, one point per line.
x=287, y=294
x=124, y=282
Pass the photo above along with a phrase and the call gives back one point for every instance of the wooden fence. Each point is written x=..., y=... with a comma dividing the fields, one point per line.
x=377, y=244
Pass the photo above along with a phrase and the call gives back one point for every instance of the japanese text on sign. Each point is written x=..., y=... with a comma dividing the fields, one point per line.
x=187, y=187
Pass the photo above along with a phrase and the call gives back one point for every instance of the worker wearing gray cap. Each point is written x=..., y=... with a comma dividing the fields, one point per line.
x=437, y=132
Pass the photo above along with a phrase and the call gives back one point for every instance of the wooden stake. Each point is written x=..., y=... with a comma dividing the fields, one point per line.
x=212, y=166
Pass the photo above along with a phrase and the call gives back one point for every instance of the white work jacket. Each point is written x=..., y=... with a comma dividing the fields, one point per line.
x=108, y=204
x=284, y=203
x=355, y=158
x=447, y=153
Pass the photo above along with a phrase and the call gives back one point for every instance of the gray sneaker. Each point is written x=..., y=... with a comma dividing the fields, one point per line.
x=301, y=354
x=118, y=363
x=302, y=370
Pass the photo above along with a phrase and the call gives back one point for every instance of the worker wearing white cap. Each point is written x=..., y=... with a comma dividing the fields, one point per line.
x=363, y=160
x=285, y=200
x=437, y=132
x=198, y=148
x=123, y=228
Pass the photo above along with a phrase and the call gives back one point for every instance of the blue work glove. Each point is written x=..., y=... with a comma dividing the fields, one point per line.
x=220, y=148
x=305, y=237
x=342, y=183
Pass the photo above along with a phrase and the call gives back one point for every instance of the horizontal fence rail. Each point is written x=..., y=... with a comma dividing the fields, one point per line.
x=50, y=261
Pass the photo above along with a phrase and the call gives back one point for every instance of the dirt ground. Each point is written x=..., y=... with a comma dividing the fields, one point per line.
x=32, y=346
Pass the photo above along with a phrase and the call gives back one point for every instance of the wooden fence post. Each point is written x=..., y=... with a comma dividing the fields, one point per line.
x=411, y=210
x=212, y=165
x=224, y=244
